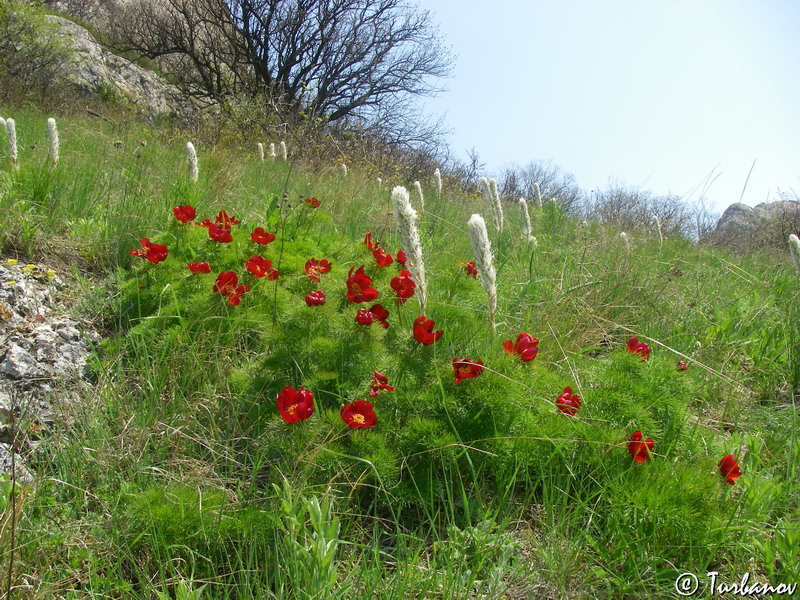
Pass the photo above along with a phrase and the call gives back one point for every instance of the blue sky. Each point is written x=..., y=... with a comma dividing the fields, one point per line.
x=663, y=95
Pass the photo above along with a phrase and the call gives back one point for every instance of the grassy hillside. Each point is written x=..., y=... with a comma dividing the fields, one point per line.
x=179, y=476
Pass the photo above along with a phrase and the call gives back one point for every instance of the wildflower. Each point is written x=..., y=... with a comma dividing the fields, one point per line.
x=568, y=403
x=199, y=267
x=437, y=181
x=379, y=382
x=315, y=298
x=470, y=269
x=729, y=469
x=261, y=151
x=537, y=195
x=312, y=202
x=155, y=253
x=527, y=347
x=11, y=130
x=259, y=236
x=418, y=189
x=185, y=213
x=28, y=269
x=407, y=224
x=682, y=366
x=219, y=234
x=639, y=449
x=423, y=331
x=50, y=273
x=526, y=222
x=382, y=258
x=234, y=297
x=637, y=347
x=400, y=257
x=794, y=250
x=226, y=283
x=358, y=414
x=284, y=151
x=479, y=237
x=364, y=317
x=261, y=267
x=191, y=158
x=11, y=283
x=464, y=368
x=52, y=134
x=11, y=261
x=224, y=220
x=368, y=241
x=359, y=286
x=314, y=268
x=492, y=198
x=295, y=405
x=403, y=285
x=381, y=315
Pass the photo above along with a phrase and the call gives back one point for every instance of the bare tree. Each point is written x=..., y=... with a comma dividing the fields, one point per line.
x=554, y=183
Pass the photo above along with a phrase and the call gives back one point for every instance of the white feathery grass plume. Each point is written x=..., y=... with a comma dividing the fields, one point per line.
x=537, y=195
x=437, y=182
x=526, y=222
x=479, y=237
x=344, y=170
x=488, y=197
x=284, y=151
x=657, y=227
x=406, y=218
x=191, y=157
x=272, y=155
x=11, y=129
x=418, y=189
x=261, y=151
x=794, y=250
x=380, y=182
x=624, y=237
x=498, y=206
x=52, y=133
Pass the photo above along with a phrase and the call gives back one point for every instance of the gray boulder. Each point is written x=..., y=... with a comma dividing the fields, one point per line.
x=767, y=224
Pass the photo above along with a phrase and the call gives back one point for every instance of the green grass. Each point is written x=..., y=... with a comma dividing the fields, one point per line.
x=178, y=474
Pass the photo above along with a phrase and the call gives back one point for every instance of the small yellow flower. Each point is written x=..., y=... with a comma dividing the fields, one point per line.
x=28, y=269
x=51, y=273
x=11, y=261
x=11, y=283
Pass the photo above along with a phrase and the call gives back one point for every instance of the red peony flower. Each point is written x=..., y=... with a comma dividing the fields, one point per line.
x=469, y=267
x=368, y=241
x=225, y=220
x=403, y=285
x=682, y=366
x=261, y=267
x=639, y=449
x=464, y=368
x=226, y=283
x=314, y=268
x=259, y=236
x=401, y=257
x=199, y=267
x=316, y=298
x=379, y=382
x=359, y=286
x=358, y=414
x=364, y=317
x=380, y=314
x=729, y=469
x=155, y=253
x=568, y=403
x=295, y=405
x=382, y=257
x=312, y=202
x=637, y=347
x=185, y=213
x=423, y=331
x=234, y=297
x=527, y=347
x=219, y=234
x=205, y=223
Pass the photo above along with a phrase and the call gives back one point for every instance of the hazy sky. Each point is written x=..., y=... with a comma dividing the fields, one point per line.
x=662, y=94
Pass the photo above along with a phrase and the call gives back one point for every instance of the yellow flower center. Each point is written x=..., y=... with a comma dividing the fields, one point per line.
x=359, y=418
x=290, y=410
